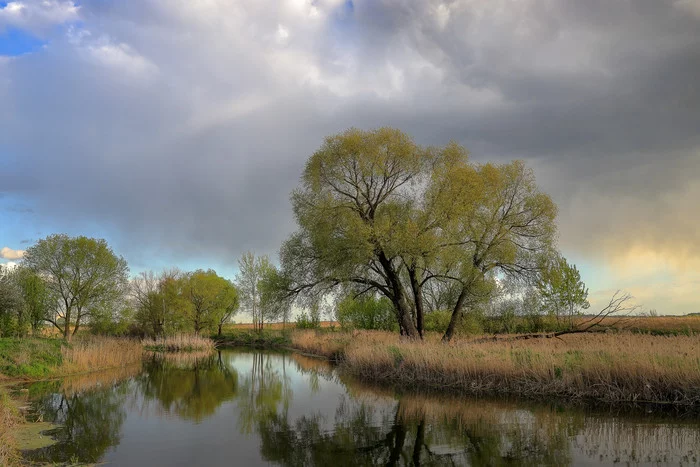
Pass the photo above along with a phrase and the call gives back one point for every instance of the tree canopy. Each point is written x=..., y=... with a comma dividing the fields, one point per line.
x=377, y=212
x=82, y=273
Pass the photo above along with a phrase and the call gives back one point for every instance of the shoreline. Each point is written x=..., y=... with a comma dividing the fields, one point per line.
x=589, y=368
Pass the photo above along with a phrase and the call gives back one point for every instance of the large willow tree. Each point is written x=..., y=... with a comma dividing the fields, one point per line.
x=377, y=212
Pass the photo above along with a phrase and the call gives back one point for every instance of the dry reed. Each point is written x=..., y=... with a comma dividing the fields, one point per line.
x=611, y=367
x=91, y=354
x=9, y=420
x=179, y=343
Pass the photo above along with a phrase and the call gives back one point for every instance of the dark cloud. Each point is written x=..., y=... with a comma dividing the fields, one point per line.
x=182, y=127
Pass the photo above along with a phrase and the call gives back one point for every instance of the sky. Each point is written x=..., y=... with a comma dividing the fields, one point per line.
x=176, y=129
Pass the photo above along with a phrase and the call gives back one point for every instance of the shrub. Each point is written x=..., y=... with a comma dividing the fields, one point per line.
x=304, y=321
x=366, y=312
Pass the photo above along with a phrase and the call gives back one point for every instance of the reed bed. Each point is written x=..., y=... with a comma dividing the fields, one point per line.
x=610, y=367
x=9, y=420
x=180, y=343
x=91, y=354
x=329, y=345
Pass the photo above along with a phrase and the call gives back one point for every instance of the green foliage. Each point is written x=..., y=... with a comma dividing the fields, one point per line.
x=266, y=338
x=366, y=312
x=212, y=299
x=111, y=321
x=562, y=291
x=258, y=284
x=378, y=212
x=81, y=273
x=12, y=316
x=308, y=321
x=437, y=321
x=31, y=358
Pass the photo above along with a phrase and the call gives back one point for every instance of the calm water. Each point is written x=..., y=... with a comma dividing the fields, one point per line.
x=261, y=408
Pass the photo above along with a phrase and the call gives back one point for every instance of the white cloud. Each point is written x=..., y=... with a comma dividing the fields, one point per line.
x=38, y=16
x=9, y=253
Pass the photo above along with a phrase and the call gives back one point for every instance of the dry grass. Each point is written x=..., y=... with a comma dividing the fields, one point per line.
x=329, y=345
x=658, y=324
x=9, y=420
x=180, y=343
x=610, y=367
x=91, y=354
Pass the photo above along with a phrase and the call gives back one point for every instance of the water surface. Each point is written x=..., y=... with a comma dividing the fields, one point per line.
x=245, y=407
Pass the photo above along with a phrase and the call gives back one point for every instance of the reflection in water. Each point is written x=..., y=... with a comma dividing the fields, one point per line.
x=90, y=422
x=260, y=407
x=191, y=386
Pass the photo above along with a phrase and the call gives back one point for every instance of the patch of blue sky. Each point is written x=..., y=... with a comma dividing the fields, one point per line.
x=14, y=42
x=343, y=22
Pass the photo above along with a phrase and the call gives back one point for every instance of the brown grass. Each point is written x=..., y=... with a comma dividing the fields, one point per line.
x=91, y=354
x=610, y=367
x=656, y=323
x=9, y=420
x=180, y=342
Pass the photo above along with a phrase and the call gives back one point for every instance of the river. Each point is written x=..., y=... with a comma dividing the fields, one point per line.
x=248, y=407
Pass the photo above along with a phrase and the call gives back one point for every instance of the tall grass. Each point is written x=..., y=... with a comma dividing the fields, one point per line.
x=180, y=343
x=611, y=367
x=91, y=354
x=9, y=420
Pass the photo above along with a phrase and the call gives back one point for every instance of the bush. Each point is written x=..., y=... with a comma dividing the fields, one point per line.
x=366, y=312
x=306, y=321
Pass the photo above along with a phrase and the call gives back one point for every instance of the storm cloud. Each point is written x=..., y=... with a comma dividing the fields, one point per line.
x=181, y=127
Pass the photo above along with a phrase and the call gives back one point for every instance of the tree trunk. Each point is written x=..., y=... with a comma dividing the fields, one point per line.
x=219, y=334
x=418, y=298
x=456, y=314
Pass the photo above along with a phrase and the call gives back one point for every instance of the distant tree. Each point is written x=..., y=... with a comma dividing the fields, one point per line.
x=82, y=273
x=251, y=275
x=38, y=300
x=11, y=304
x=212, y=299
x=159, y=301
x=229, y=303
x=274, y=303
x=563, y=294
x=380, y=213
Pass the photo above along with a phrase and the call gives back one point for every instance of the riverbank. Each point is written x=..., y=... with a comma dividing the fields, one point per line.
x=616, y=367
x=36, y=359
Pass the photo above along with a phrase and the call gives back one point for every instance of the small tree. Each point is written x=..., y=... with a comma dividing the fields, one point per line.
x=563, y=293
x=81, y=272
x=37, y=297
x=212, y=298
x=11, y=304
x=250, y=278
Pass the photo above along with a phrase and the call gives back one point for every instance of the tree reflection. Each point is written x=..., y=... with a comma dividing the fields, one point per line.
x=191, y=387
x=264, y=391
x=90, y=422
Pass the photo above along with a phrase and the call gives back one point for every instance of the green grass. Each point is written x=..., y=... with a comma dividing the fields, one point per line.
x=29, y=358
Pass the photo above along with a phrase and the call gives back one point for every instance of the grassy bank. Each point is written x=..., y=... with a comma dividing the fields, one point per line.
x=609, y=367
x=41, y=358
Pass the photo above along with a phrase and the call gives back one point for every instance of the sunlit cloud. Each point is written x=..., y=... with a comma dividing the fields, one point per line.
x=9, y=253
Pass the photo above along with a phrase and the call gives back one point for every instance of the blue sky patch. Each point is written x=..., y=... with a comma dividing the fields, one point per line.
x=17, y=42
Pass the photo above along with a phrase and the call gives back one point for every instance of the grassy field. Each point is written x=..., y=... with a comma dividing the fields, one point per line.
x=608, y=367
